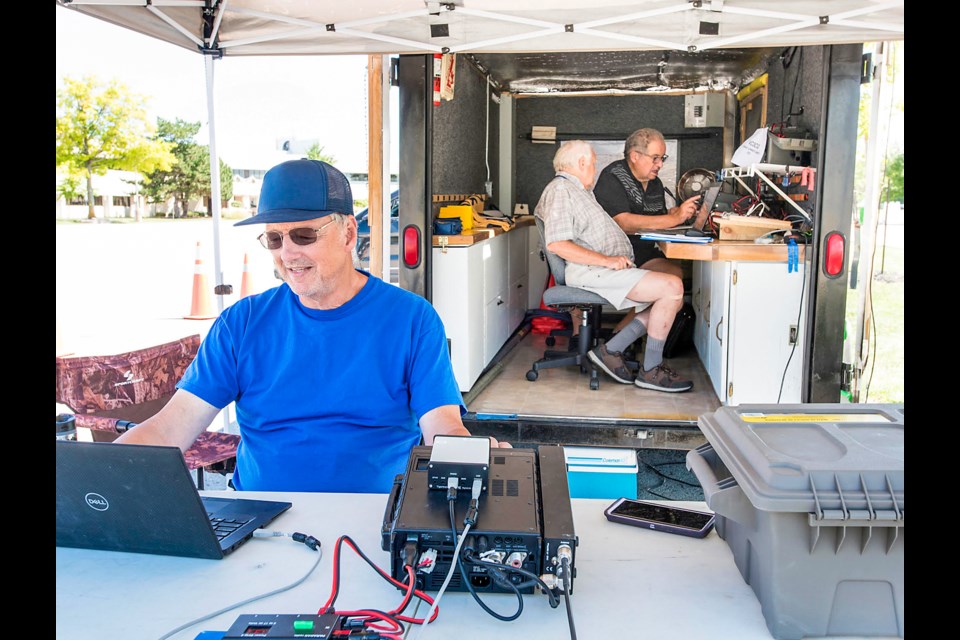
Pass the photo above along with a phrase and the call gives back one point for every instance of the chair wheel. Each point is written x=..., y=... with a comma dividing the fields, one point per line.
x=551, y=341
x=532, y=375
x=594, y=385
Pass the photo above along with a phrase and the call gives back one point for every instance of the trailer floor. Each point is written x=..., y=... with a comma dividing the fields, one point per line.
x=564, y=392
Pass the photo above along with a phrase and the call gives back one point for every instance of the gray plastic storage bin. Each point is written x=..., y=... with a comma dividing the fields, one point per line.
x=809, y=498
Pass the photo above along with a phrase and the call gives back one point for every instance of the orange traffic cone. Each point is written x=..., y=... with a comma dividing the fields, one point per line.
x=246, y=286
x=200, y=308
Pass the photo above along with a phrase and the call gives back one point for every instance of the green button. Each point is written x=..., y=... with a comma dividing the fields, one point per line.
x=303, y=625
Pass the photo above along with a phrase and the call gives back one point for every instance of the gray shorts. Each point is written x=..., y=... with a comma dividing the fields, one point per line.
x=614, y=285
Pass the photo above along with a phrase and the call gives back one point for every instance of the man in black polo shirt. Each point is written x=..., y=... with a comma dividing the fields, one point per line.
x=631, y=192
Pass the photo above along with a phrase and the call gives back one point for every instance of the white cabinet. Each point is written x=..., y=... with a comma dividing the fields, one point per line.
x=537, y=270
x=481, y=293
x=517, y=269
x=749, y=329
x=458, y=298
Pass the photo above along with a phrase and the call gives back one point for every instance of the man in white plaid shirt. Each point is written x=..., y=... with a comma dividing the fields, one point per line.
x=599, y=258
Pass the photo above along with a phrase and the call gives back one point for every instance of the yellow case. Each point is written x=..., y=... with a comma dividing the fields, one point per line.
x=462, y=211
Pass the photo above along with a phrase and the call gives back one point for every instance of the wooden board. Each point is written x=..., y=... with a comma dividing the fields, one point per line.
x=748, y=227
x=742, y=251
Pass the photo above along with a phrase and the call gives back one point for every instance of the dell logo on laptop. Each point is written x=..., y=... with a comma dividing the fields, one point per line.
x=96, y=501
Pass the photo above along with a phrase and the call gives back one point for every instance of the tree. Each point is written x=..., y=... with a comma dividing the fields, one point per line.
x=189, y=177
x=316, y=153
x=103, y=126
x=226, y=182
x=893, y=179
x=69, y=187
x=186, y=178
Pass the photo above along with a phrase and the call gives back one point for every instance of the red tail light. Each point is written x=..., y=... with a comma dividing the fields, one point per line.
x=833, y=254
x=411, y=247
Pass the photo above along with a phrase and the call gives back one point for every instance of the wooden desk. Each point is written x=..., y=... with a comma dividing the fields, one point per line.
x=738, y=250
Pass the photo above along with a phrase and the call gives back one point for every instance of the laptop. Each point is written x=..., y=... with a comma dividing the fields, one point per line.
x=141, y=499
x=709, y=199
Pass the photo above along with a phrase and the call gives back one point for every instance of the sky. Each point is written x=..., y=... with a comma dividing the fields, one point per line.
x=257, y=101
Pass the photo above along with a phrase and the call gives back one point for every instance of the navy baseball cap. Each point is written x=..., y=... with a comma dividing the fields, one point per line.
x=299, y=190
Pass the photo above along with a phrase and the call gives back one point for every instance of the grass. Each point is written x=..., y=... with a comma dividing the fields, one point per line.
x=882, y=378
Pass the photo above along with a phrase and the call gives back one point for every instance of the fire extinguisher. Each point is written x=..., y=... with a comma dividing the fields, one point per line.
x=437, y=64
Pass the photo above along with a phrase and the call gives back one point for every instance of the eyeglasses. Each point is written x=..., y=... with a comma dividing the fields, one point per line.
x=302, y=236
x=655, y=159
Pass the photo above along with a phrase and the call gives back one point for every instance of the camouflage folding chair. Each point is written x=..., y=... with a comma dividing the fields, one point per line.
x=110, y=394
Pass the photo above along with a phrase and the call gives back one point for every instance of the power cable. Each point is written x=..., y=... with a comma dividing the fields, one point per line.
x=310, y=541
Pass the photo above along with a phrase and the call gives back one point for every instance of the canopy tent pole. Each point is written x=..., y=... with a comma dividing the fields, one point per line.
x=876, y=150
x=215, y=204
x=214, y=179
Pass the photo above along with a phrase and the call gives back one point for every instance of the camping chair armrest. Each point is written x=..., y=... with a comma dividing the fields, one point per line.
x=210, y=448
x=100, y=423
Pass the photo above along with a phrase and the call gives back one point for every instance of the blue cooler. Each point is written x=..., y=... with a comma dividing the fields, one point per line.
x=593, y=472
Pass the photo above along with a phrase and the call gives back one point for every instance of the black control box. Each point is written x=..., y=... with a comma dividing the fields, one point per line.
x=524, y=520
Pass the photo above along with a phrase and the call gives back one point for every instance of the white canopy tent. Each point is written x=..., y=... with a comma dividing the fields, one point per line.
x=218, y=28
x=306, y=27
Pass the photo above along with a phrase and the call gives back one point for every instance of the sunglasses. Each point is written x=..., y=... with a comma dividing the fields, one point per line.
x=302, y=236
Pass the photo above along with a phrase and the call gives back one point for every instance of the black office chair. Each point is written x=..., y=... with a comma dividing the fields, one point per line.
x=567, y=298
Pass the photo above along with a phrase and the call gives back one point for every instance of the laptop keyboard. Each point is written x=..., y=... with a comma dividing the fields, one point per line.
x=225, y=526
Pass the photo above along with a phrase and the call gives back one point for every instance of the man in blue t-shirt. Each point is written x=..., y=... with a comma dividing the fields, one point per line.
x=336, y=375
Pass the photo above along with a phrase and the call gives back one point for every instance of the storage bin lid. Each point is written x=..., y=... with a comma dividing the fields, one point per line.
x=600, y=459
x=811, y=456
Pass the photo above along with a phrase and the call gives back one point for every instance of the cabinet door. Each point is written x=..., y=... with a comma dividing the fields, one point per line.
x=518, y=265
x=766, y=321
x=517, y=303
x=494, y=256
x=496, y=320
x=700, y=298
x=458, y=299
x=716, y=363
x=537, y=270
x=518, y=253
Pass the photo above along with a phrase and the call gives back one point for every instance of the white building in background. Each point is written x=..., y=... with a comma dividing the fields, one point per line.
x=117, y=194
